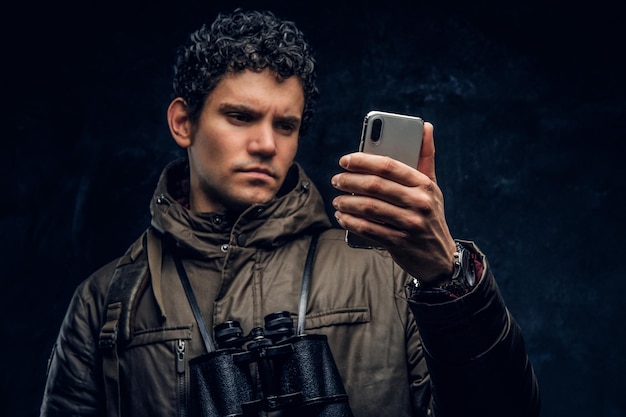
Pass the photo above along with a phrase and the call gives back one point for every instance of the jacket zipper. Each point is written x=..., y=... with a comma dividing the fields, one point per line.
x=182, y=378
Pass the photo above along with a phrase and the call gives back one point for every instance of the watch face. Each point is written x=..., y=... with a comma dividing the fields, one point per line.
x=467, y=267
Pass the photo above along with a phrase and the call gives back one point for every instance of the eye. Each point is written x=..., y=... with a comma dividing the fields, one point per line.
x=286, y=127
x=240, y=117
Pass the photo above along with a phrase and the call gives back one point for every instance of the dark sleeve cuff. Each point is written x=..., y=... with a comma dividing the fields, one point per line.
x=464, y=328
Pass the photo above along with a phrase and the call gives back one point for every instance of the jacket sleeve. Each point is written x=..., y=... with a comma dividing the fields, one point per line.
x=476, y=356
x=74, y=382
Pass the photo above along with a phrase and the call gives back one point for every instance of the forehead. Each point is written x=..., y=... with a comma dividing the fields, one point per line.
x=261, y=88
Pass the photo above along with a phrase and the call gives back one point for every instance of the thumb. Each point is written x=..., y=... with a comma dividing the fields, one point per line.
x=426, y=164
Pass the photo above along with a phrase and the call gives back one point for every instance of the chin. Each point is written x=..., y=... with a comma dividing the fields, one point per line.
x=244, y=203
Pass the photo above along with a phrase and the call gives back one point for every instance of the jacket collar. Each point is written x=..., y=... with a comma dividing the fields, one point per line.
x=298, y=210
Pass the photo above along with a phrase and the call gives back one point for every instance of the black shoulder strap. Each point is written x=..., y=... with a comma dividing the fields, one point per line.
x=306, y=284
x=202, y=326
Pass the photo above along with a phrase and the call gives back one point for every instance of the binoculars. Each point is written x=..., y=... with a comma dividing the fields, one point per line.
x=270, y=369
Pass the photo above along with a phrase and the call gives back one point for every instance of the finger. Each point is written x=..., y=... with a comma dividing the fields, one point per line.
x=384, y=233
x=383, y=189
x=399, y=216
x=371, y=209
x=380, y=166
x=426, y=163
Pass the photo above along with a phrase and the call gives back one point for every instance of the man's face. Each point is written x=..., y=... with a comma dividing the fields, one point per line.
x=245, y=141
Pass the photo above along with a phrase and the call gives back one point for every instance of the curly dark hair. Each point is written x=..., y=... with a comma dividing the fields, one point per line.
x=238, y=41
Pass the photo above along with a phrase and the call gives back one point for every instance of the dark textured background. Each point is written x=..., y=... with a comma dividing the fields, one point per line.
x=528, y=102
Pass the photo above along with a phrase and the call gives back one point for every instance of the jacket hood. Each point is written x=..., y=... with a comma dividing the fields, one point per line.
x=298, y=210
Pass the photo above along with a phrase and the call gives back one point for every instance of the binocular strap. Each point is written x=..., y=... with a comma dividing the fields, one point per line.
x=306, y=284
x=304, y=295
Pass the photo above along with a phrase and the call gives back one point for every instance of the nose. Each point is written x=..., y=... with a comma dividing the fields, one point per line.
x=262, y=141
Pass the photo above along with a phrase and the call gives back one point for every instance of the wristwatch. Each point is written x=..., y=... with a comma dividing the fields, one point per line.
x=464, y=273
x=463, y=280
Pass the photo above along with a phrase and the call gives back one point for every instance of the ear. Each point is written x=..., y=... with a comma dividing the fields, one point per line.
x=179, y=122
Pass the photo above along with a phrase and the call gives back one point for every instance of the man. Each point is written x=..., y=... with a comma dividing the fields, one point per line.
x=416, y=329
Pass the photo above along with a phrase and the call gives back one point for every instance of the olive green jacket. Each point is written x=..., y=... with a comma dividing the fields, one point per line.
x=130, y=356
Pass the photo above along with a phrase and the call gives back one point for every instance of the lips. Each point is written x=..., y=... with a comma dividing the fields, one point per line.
x=259, y=172
x=262, y=171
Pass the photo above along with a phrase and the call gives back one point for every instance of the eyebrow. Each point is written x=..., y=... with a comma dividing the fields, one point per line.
x=242, y=108
x=228, y=107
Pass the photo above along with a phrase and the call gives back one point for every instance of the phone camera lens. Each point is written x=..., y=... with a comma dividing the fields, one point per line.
x=377, y=126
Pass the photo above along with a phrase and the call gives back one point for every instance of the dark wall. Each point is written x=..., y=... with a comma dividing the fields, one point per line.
x=529, y=107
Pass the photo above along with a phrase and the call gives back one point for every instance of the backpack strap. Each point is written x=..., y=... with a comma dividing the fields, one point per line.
x=127, y=284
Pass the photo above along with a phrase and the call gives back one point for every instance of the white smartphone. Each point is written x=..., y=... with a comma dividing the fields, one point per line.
x=398, y=136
